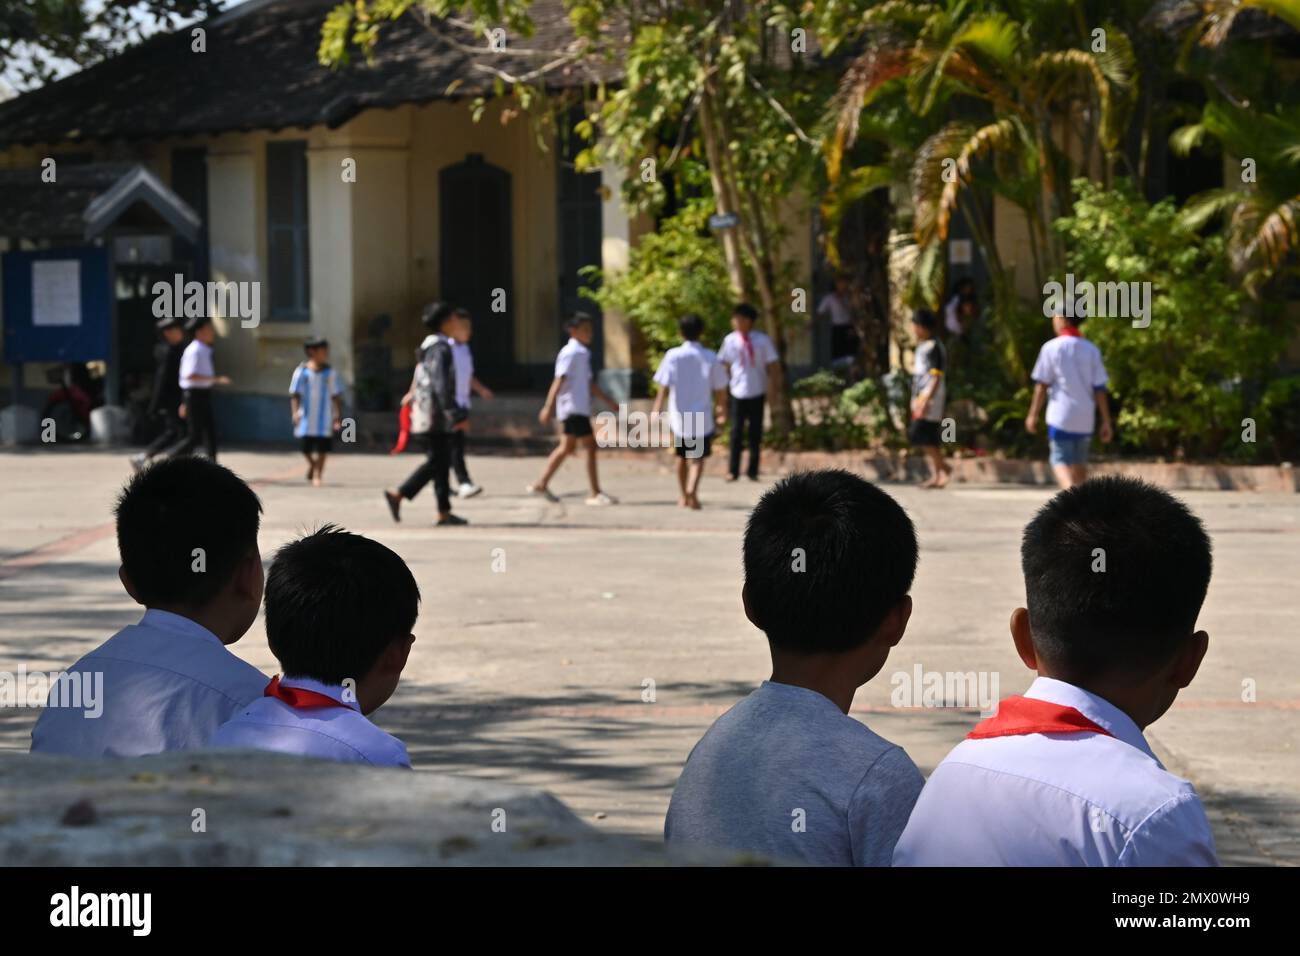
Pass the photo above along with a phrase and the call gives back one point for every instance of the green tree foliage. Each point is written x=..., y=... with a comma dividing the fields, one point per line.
x=1185, y=383
x=675, y=270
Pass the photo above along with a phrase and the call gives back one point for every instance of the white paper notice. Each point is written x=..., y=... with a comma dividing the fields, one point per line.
x=56, y=292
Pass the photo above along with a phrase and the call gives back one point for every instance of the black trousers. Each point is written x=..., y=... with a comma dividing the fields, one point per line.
x=436, y=468
x=746, y=428
x=458, y=457
x=173, y=430
x=201, y=426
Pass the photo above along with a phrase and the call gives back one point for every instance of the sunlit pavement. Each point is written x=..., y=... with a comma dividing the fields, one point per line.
x=585, y=649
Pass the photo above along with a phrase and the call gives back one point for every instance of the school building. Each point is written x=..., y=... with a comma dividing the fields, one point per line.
x=352, y=197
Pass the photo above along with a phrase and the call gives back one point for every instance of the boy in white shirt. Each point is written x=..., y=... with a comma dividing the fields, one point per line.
x=1070, y=375
x=1063, y=776
x=752, y=363
x=187, y=534
x=198, y=378
x=339, y=614
x=467, y=385
x=692, y=379
x=569, y=400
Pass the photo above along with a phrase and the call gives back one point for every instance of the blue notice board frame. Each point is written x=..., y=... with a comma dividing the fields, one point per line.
x=88, y=341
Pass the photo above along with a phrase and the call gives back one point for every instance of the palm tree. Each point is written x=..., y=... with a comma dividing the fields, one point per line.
x=1261, y=214
x=1039, y=110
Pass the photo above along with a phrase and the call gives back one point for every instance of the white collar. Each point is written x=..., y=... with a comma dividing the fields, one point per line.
x=1097, y=709
x=177, y=624
x=332, y=691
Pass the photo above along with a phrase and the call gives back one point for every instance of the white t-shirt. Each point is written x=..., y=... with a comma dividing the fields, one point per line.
x=464, y=362
x=694, y=374
x=196, y=360
x=832, y=303
x=748, y=373
x=1070, y=366
x=574, y=364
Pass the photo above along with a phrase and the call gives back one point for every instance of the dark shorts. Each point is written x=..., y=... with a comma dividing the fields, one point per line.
x=313, y=445
x=579, y=426
x=694, y=449
x=924, y=434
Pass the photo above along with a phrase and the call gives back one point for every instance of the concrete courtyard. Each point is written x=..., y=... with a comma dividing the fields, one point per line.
x=540, y=673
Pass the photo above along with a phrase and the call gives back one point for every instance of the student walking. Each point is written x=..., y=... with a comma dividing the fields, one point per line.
x=434, y=390
x=197, y=378
x=165, y=400
x=753, y=364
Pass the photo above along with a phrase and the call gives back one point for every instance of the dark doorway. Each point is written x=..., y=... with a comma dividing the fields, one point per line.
x=190, y=182
x=579, y=217
x=475, y=227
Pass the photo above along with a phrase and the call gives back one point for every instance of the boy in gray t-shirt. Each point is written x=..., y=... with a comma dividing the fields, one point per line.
x=786, y=773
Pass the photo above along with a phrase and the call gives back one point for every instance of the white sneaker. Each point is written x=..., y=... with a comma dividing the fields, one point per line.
x=602, y=499
x=546, y=493
x=469, y=490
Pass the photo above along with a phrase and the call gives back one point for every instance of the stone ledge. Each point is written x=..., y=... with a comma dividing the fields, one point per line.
x=263, y=809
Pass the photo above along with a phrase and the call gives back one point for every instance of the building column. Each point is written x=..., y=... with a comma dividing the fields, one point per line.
x=620, y=376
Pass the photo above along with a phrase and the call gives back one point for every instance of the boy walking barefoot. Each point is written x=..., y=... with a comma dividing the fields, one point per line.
x=314, y=401
x=569, y=400
x=928, y=397
x=787, y=773
x=693, y=379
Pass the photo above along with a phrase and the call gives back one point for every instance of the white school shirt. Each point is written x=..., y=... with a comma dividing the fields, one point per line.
x=342, y=734
x=315, y=388
x=693, y=373
x=748, y=378
x=574, y=363
x=832, y=303
x=168, y=684
x=196, y=360
x=1071, y=368
x=463, y=359
x=1060, y=799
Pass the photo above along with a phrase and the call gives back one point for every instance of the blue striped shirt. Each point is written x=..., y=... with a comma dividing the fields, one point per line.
x=315, y=388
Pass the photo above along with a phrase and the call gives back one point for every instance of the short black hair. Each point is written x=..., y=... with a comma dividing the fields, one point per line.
x=925, y=319
x=691, y=326
x=827, y=555
x=1131, y=617
x=461, y=312
x=335, y=601
x=435, y=314
x=174, y=507
x=745, y=311
x=575, y=320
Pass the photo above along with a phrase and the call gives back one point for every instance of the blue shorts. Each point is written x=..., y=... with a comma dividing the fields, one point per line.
x=1072, y=450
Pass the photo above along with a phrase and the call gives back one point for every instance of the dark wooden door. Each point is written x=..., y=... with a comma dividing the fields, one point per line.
x=475, y=238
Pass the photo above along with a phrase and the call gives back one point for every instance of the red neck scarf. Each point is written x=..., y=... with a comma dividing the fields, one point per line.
x=1026, y=715
x=1071, y=332
x=299, y=698
x=749, y=346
